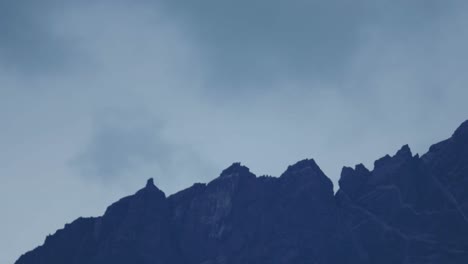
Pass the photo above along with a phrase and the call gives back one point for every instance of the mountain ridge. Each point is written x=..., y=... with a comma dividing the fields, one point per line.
x=408, y=209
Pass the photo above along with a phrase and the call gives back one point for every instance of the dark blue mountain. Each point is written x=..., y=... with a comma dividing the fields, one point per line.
x=408, y=209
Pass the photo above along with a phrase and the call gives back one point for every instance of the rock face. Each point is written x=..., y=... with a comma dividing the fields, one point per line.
x=408, y=209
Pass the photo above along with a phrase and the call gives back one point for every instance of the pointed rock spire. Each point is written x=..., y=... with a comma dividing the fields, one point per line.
x=150, y=188
x=150, y=183
x=404, y=152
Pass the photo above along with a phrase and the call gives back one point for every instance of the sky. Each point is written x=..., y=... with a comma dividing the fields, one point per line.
x=98, y=96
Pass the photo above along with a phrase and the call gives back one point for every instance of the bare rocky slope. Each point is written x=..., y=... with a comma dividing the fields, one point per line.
x=409, y=209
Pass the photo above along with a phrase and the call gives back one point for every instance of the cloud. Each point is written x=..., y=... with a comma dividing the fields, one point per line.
x=253, y=43
x=120, y=143
x=214, y=68
x=28, y=41
x=100, y=95
x=131, y=144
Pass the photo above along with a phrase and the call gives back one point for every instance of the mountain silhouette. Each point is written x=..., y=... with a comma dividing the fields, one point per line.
x=408, y=209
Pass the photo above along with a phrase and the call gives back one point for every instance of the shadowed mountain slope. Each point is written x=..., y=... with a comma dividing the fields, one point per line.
x=408, y=209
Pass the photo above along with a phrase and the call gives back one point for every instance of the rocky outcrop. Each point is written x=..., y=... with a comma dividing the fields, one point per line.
x=408, y=209
x=411, y=205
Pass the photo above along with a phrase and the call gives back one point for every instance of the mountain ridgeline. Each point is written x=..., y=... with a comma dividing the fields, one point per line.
x=409, y=209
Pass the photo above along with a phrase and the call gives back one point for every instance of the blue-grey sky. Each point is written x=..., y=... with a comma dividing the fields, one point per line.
x=98, y=96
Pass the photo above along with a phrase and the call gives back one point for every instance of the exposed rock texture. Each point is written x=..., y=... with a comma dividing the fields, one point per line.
x=408, y=209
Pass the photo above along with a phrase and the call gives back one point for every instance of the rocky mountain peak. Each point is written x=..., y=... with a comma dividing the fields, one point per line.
x=150, y=189
x=306, y=176
x=150, y=183
x=385, y=163
x=236, y=169
x=351, y=180
x=406, y=210
x=306, y=166
x=404, y=152
x=360, y=168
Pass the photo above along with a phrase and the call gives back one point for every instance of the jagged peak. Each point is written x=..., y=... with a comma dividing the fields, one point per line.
x=351, y=179
x=404, y=153
x=358, y=169
x=346, y=171
x=236, y=169
x=150, y=183
x=301, y=166
x=149, y=193
x=150, y=187
x=299, y=208
x=361, y=168
x=306, y=177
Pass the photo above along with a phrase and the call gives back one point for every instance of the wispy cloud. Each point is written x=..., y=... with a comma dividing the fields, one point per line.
x=103, y=94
